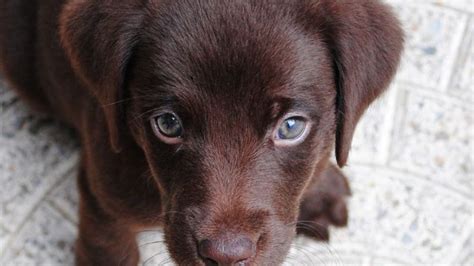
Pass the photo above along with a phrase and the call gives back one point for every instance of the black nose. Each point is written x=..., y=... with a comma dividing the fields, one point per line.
x=227, y=250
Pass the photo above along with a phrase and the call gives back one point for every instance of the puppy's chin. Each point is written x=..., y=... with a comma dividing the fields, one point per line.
x=272, y=247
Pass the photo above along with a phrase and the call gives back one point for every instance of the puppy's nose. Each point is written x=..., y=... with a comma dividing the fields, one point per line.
x=227, y=250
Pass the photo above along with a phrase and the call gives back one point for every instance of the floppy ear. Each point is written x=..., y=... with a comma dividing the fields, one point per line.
x=366, y=41
x=99, y=37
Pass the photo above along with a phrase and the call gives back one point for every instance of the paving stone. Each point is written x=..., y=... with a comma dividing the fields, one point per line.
x=433, y=38
x=306, y=251
x=462, y=85
x=402, y=217
x=461, y=5
x=372, y=138
x=388, y=262
x=434, y=138
x=152, y=248
x=35, y=151
x=4, y=237
x=467, y=253
x=65, y=196
x=46, y=239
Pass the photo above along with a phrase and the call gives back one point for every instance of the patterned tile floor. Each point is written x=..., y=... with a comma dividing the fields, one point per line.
x=412, y=170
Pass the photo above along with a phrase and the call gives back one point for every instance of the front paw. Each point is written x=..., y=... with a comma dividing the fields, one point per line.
x=324, y=204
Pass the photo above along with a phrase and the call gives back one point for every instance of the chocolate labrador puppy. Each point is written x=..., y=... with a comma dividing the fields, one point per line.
x=215, y=119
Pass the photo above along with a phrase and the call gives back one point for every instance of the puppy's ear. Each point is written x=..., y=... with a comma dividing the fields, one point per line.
x=366, y=41
x=99, y=37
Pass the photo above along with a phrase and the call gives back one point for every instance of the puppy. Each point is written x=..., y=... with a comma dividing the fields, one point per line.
x=215, y=119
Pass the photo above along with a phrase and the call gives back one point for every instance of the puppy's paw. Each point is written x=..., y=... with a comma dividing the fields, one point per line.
x=324, y=204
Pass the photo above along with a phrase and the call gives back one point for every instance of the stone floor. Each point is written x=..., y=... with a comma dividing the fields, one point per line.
x=412, y=170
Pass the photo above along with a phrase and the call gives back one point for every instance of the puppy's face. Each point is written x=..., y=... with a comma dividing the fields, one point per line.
x=233, y=124
x=236, y=105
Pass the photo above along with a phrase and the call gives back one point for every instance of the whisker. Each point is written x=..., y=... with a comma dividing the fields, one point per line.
x=123, y=101
x=305, y=253
x=139, y=116
x=333, y=253
x=152, y=257
x=149, y=231
x=157, y=219
x=151, y=243
x=166, y=261
x=309, y=222
x=312, y=229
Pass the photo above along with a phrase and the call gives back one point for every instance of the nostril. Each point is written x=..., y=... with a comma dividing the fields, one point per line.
x=206, y=252
x=228, y=250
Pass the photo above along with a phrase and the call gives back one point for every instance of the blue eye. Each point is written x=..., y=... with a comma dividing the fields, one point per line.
x=291, y=128
x=169, y=125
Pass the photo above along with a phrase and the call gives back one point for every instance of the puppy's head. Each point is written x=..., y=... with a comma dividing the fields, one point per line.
x=236, y=105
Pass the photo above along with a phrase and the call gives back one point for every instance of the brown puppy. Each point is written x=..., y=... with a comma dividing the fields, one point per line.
x=212, y=118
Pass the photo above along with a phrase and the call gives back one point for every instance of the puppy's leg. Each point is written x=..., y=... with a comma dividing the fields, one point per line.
x=324, y=204
x=102, y=239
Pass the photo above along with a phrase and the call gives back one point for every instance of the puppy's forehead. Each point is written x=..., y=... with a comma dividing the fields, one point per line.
x=231, y=52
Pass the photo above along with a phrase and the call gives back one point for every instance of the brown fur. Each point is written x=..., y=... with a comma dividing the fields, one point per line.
x=230, y=69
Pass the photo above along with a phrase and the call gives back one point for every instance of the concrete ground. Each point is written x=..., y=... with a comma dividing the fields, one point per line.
x=411, y=171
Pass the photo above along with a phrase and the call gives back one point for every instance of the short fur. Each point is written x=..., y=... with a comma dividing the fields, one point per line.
x=230, y=69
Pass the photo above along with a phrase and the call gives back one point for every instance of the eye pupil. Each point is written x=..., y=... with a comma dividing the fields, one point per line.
x=290, y=123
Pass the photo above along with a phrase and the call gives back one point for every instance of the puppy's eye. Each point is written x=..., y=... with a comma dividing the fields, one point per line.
x=168, y=127
x=291, y=129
